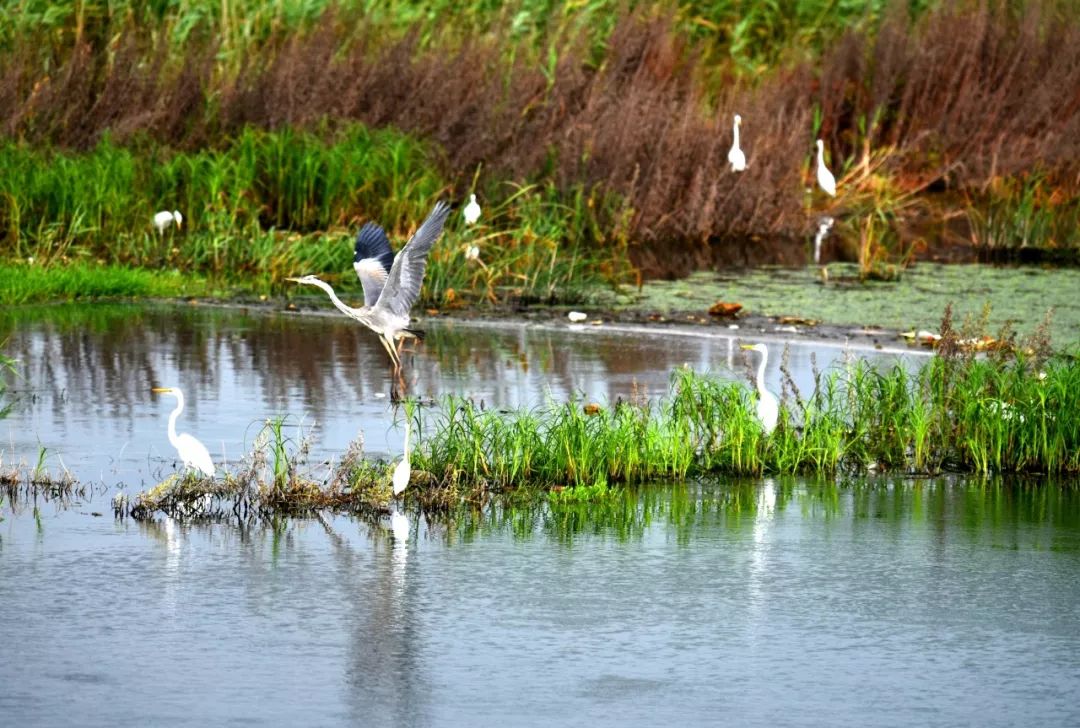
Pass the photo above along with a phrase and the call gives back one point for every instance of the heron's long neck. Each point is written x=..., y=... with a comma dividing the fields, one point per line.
x=348, y=311
x=761, y=373
x=172, y=419
x=735, y=131
x=821, y=155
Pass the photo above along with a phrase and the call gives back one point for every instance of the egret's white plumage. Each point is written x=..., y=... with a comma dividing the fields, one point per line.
x=164, y=219
x=736, y=155
x=403, y=470
x=192, y=452
x=471, y=213
x=768, y=406
x=825, y=178
x=824, y=225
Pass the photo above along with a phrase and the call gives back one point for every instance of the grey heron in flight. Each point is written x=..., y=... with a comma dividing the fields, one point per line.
x=388, y=316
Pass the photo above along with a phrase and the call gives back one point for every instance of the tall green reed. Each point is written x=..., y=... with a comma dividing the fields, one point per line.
x=983, y=415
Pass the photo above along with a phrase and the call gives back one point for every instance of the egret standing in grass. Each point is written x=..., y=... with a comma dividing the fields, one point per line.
x=735, y=155
x=403, y=470
x=193, y=453
x=825, y=178
x=768, y=407
x=471, y=213
x=824, y=225
x=164, y=219
x=389, y=315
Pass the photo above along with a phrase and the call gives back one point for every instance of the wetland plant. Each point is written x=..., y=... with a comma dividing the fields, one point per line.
x=986, y=415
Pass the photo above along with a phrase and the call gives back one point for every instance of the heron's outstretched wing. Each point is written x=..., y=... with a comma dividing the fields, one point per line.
x=407, y=274
x=372, y=260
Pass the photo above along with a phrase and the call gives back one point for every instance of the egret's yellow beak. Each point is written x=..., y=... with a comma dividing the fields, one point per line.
x=161, y=390
x=179, y=223
x=294, y=280
x=746, y=346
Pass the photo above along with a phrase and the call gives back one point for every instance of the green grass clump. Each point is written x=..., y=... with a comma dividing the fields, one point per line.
x=32, y=283
x=956, y=413
x=102, y=201
x=275, y=204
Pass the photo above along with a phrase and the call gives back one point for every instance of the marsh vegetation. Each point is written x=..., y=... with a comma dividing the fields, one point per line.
x=584, y=127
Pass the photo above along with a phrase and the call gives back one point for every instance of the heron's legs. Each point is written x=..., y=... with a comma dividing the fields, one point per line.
x=389, y=346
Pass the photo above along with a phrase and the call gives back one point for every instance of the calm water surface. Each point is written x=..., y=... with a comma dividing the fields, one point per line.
x=85, y=373
x=763, y=603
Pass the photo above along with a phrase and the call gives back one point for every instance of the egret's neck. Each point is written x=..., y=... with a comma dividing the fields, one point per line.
x=821, y=155
x=173, y=417
x=735, y=131
x=761, y=372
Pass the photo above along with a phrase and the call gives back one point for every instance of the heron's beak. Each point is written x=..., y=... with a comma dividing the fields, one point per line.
x=161, y=390
x=746, y=346
x=178, y=223
x=294, y=280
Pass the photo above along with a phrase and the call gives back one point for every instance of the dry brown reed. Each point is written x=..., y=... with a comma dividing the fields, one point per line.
x=965, y=95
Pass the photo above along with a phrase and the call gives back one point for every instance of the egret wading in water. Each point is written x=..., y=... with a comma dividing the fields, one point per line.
x=735, y=155
x=825, y=178
x=389, y=315
x=768, y=407
x=471, y=213
x=164, y=219
x=403, y=470
x=193, y=453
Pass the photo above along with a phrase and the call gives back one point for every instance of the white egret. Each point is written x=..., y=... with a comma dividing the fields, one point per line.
x=768, y=407
x=471, y=213
x=824, y=225
x=389, y=315
x=735, y=155
x=577, y=317
x=403, y=470
x=193, y=453
x=164, y=219
x=825, y=178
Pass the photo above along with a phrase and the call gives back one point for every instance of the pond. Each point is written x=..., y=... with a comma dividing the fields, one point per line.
x=883, y=601
x=85, y=374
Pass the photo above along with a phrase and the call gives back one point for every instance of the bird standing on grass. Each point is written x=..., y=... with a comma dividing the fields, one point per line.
x=164, y=219
x=825, y=178
x=389, y=315
x=193, y=453
x=824, y=225
x=768, y=407
x=735, y=155
x=471, y=213
x=403, y=470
